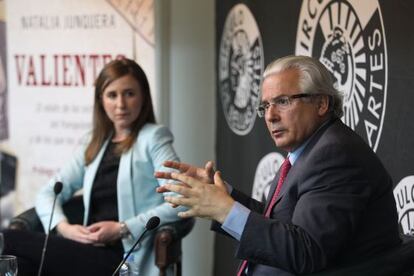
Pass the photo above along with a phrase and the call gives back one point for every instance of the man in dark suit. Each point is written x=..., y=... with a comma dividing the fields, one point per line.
x=331, y=202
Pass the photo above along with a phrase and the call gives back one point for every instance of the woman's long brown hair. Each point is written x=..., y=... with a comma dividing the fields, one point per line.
x=103, y=127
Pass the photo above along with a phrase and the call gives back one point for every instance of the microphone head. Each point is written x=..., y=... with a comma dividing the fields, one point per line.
x=152, y=223
x=58, y=187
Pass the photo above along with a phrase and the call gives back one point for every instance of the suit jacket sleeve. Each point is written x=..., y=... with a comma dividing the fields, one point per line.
x=313, y=220
x=248, y=202
x=252, y=204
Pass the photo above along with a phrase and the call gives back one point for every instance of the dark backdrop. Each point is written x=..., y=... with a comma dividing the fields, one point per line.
x=238, y=154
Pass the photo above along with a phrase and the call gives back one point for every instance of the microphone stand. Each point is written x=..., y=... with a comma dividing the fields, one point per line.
x=129, y=252
x=57, y=189
x=152, y=223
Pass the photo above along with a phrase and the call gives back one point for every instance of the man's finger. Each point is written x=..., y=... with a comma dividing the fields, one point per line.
x=179, y=188
x=186, y=214
x=182, y=167
x=179, y=200
x=210, y=170
x=173, y=205
x=190, y=181
x=220, y=183
x=210, y=166
x=162, y=189
x=163, y=175
x=218, y=180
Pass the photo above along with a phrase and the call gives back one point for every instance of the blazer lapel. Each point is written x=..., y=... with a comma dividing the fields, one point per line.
x=125, y=190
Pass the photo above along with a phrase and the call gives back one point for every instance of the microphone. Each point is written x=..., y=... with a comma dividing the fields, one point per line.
x=152, y=223
x=56, y=189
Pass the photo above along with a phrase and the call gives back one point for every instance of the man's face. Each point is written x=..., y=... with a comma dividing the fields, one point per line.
x=291, y=126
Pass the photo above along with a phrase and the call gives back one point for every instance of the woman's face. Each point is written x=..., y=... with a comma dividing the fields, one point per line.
x=122, y=101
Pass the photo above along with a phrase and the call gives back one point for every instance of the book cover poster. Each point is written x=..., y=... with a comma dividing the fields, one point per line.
x=55, y=50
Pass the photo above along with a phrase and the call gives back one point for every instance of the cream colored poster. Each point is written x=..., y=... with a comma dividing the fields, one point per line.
x=55, y=49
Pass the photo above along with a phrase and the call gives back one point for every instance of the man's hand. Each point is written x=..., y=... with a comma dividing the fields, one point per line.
x=204, y=199
x=205, y=174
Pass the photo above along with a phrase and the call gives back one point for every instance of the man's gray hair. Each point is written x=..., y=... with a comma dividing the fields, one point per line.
x=314, y=78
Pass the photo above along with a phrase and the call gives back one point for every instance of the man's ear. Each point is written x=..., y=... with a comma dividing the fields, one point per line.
x=323, y=105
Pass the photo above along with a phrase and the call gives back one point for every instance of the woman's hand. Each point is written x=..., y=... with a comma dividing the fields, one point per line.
x=74, y=232
x=98, y=233
x=104, y=231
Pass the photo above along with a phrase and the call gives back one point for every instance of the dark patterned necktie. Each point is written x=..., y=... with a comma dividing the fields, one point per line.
x=283, y=173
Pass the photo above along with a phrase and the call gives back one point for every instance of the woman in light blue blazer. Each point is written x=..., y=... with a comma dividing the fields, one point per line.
x=115, y=170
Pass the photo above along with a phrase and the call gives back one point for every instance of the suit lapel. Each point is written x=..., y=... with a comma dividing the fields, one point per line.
x=291, y=176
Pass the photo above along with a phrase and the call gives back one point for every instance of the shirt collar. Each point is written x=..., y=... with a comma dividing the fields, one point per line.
x=294, y=155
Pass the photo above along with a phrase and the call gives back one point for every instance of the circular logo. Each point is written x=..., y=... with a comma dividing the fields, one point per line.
x=265, y=173
x=240, y=69
x=404, y=198
x=348, y=38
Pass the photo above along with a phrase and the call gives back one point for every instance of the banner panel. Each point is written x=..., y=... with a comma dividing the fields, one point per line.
x=55, y=50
